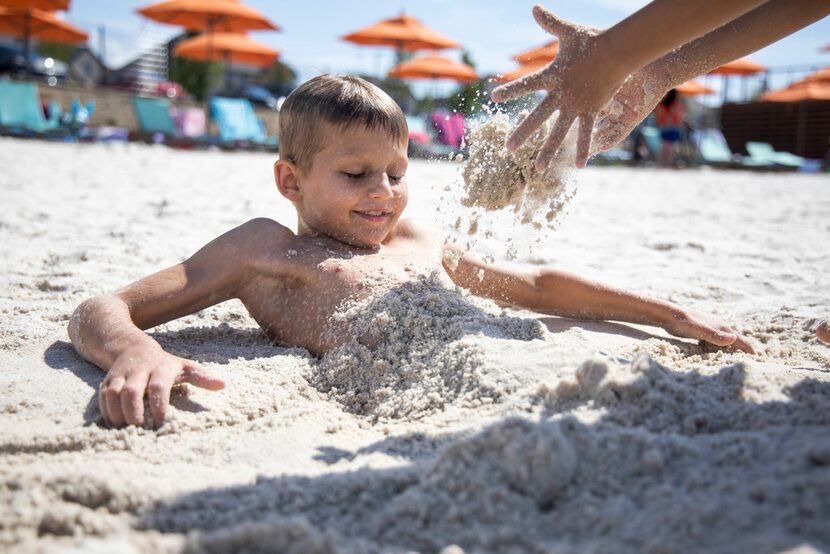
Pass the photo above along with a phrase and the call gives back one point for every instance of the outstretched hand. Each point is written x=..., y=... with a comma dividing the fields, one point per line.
x=580, y=82
x=708, y=329
x=121, y=395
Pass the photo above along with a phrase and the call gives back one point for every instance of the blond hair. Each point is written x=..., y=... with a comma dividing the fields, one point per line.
x=342, y=101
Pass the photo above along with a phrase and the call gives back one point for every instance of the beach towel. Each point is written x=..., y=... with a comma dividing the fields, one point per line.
x=449, y=127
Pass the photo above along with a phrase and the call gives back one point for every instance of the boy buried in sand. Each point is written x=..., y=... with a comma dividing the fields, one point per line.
x=342, y=164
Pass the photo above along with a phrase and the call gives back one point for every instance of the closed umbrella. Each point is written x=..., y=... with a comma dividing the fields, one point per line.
x=434, y=67
x=402, y=33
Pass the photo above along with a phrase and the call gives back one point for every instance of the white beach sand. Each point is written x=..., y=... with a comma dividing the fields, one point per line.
x=570, y=436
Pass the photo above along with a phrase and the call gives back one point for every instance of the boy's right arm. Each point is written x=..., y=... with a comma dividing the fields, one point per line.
x=107, y=330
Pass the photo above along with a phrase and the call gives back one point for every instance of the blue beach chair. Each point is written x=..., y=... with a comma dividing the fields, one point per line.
x=239, y=125
x=20, y=111
x=763, y=152
x=156, y=124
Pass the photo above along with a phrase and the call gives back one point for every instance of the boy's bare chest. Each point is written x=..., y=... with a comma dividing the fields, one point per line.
x=296, y=310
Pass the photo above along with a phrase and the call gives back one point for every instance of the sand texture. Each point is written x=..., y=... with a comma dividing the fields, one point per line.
x=460, y=426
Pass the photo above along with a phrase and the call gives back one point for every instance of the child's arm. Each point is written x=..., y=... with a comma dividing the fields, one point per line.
x=591, y=65
x=107, y=330
x=564, y=294
x=638, y=96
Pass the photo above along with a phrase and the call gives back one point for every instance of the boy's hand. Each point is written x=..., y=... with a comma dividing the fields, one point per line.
x=142, y=368
x=578, y=83
x=708, y=329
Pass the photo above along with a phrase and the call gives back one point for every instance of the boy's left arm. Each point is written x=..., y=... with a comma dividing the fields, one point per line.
x=565, y=294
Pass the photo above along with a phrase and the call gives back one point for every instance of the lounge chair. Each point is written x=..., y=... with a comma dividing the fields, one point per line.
x=239, y=125
x=21, y=113
x=156, y=124
x=713, y=150
x=763, y=152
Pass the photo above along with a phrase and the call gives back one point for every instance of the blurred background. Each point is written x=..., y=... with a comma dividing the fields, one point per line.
x=193, y=73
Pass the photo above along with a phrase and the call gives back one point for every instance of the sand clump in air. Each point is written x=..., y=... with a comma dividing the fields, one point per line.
x=412, y=351
x=495, y=179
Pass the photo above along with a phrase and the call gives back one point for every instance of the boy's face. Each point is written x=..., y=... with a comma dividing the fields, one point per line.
x=355, y=189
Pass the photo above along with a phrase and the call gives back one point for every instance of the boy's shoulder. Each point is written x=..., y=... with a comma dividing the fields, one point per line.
x=415, y=229
x=259, y=236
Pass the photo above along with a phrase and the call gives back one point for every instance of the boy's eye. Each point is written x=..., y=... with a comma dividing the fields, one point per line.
x=395, y=178
x=355, y=175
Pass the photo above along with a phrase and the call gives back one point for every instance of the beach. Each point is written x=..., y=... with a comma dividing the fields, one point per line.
x=559, y=435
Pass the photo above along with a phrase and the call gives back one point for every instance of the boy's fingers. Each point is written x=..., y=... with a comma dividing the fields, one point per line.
x=531, y=123
x=554, y=141
x=102, y=403
x=132, y=398
x=742, y=344
x=200, y=376
x=158, y=396
x=519, y=87
x=550, y=22
x=583, y=144
x=112, y=394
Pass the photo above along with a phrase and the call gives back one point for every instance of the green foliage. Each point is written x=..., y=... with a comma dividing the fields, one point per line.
x=468, y=100
x=55, y=50
x=196, y=77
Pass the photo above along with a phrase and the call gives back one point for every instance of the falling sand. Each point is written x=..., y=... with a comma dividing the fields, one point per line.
x=495, y=179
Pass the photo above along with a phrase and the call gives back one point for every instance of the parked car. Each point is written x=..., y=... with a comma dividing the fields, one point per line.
x=13, y=60
x=255, y=93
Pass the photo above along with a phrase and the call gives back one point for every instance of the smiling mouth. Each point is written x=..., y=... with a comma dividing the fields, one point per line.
x=376, y=216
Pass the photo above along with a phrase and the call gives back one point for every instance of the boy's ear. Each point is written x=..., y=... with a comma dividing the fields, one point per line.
x=287, y=177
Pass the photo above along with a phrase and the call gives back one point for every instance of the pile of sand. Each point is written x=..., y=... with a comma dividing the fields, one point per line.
x=413, y=351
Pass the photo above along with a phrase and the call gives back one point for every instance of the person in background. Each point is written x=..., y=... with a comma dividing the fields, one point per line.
x=669, y=115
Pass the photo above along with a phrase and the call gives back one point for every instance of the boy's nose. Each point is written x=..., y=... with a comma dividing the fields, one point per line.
x=381, y=188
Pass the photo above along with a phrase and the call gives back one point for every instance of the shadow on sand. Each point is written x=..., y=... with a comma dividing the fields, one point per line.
x=678, y=462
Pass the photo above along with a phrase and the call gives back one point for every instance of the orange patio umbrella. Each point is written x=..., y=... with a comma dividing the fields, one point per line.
x=742, y=66
x=208, y=15
x=522, y=70
x=230, y=47
x=402, y=33
x=692, y=88
x=820, y=76
x=48, y=5
x=546, y=53
x=434, y=67
x=799, y=92
x=38, y=24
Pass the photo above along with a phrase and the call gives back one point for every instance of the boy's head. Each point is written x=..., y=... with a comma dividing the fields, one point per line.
x=334, y=101
x=342, y=159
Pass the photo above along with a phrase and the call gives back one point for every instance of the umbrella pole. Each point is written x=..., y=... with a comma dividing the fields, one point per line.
x=26, y=40
x=209, y=28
